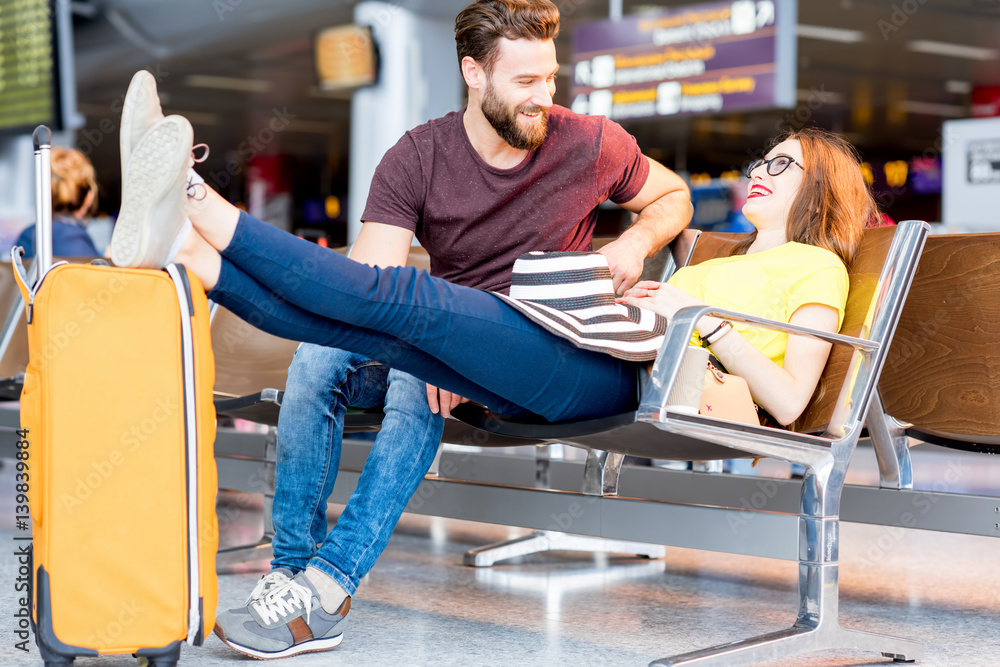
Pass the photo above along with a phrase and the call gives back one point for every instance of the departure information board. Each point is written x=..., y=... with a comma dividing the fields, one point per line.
x=716, y=57
x=28, y=82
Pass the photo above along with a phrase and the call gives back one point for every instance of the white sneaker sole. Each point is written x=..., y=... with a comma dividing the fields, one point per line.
x=311, y=646
x=141, y=98
x=150, y=218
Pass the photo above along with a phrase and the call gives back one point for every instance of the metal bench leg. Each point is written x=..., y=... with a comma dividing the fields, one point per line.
x=261, y=549
x=891, y=445
x=713, y=467
x=818, y=624
x=601, y=474
x=548, y=540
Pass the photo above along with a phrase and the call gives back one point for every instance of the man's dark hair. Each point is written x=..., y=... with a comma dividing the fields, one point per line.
x=481, y=25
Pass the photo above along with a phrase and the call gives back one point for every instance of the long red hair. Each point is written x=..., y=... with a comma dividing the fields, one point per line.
x=834, y=204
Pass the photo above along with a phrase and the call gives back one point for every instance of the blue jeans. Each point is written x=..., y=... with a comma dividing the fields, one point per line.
x=322, y=383
x=460, y=339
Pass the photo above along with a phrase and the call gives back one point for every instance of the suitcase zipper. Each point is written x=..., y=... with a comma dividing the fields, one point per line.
x=25, y=279
x=190, y=451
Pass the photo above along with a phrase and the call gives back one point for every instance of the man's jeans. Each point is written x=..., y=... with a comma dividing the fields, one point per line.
x=322, y=383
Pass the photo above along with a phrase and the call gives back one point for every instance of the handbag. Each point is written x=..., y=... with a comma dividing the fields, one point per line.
x=726, y=396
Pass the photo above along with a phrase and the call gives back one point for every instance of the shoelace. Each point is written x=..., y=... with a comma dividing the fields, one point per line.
x=266, y=583
x=283, y=600
x=204, y=156
x=193, y=188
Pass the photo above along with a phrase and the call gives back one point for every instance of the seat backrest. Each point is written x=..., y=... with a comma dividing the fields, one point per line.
x=13, y=328
x=711, y=245
x=246, y=358
x=942, y=369
x=864, y=273
x=417, y=257
x=869, y=298
x=13, y=331
x=662, y=265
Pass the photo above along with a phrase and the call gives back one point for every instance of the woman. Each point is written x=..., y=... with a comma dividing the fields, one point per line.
x=74, y=200
x=807, y=201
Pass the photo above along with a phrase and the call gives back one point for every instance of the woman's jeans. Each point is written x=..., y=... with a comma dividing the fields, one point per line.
x=322, y=383
x=460, y=339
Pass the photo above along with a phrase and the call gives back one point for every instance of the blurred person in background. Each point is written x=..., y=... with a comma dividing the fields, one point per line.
x=74, y=201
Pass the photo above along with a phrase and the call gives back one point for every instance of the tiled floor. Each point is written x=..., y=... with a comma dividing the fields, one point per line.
x=420, y=606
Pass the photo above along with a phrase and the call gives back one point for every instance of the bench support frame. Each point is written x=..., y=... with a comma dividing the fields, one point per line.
x=817, y=626
x=601, y=474
x=550, y=540
x=262, y=548
x=892, y=449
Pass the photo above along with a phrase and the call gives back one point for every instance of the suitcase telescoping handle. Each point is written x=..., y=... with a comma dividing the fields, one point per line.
x=42, y=138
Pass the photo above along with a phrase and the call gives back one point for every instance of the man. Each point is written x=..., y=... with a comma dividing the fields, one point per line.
x=509, y=174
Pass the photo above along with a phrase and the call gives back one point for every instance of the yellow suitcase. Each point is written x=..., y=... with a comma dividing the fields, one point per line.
x=118, y=416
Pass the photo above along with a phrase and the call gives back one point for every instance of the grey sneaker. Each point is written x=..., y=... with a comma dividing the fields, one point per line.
x=153, y=214
x=140, y=112
x=286, y=621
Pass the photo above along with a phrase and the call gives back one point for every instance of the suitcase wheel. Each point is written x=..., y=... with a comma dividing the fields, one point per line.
x=146, y=662
x=169, y=659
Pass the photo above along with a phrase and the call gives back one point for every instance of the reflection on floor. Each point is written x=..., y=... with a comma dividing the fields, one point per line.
x=420, y=606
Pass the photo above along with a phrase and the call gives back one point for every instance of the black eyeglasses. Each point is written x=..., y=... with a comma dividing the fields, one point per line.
x=775, y=166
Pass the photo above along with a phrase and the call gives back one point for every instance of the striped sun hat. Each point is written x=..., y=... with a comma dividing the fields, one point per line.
x=572, y=295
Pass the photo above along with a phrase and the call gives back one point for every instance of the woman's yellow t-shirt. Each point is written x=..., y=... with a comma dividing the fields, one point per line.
x=772, y=284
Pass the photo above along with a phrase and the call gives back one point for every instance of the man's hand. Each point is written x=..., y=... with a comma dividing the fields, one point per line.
x=625, y=261
x=443, y=401
x=664, y=209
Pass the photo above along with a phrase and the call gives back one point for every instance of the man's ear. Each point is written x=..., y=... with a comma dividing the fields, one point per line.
x=473, y=74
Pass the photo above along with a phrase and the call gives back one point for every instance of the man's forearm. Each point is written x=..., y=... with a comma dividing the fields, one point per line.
x=659, y=222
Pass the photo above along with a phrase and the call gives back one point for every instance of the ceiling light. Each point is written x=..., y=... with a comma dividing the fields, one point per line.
x=933, y=109
x=957, y=87
x=228, y=83
x=830, y=34
x=819, y=96
x=954, y=50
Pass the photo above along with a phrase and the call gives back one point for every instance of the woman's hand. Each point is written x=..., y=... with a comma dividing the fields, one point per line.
x=660, y=298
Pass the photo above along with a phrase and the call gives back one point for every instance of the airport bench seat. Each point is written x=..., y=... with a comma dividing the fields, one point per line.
x=939, y=384
x=823, y=439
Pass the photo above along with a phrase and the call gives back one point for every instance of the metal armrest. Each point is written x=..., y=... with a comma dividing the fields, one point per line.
x=261, y=408
x=790, y=446
x=661, y=381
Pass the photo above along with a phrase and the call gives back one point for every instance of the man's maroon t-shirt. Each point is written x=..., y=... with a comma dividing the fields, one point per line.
x=474, y=220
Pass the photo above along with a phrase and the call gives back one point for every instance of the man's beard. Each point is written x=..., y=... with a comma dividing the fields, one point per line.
x=504, y=121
